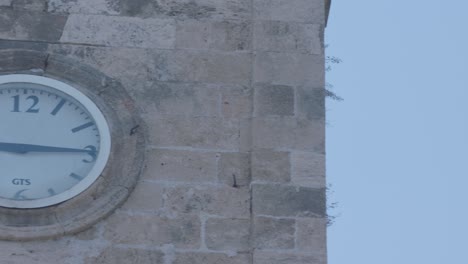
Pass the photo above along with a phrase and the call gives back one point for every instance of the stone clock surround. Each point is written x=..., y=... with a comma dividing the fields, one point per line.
x=112, y=188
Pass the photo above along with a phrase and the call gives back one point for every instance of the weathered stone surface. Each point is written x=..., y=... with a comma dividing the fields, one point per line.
x=84, y=6
x=63, y=250
x=210, y=258
x=197, y=132
x=311, y=235
x=234, y=169
x=181, y=165
x=228, y=234
x=32, y=26
x=268, y=257
x=35, y=5
x=310, y=102
x=273, y=233
x=14, y=60
x=180, y=99
x=5, y=2
x=138, y=69
x=289, y=69
x=193, y=34
x=147, y=197
x=61, y=67
x=221, y=201
x=119, y=255
x=288, y=37
x=25, y=45
x=91, y=234
x=274, y=100
x=202, y=66
x=308, y=11
x=134, y=68
x=215, y=35
x=182, y=232
x=271, y=166
x=184, y=9
x=308, y=169
x=119, y=31
x=288, y=201
x=237, y=101
x=231, y=35
x=288, y=133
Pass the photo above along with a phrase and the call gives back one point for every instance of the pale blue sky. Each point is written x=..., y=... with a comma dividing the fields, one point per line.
x=397, y=145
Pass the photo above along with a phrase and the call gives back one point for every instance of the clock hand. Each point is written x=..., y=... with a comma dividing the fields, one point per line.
x=25, y=148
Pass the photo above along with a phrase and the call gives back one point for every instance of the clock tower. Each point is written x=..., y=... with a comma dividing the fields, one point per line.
x=172, y=132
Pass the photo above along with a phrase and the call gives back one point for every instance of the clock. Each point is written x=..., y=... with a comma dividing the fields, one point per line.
x=54, y=141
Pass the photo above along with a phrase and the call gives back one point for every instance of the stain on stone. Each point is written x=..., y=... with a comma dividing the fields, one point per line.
x=148, y=8
x=137, y=7
x=31, y=26
x=134, y=130
x=311, y=102
x=277, y=28
x=34, y=5
x=191, y=10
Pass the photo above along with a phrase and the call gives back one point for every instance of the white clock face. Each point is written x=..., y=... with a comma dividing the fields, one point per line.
x=54, y=141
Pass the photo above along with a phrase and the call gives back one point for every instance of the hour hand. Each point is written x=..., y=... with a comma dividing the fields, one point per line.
x=25, y=148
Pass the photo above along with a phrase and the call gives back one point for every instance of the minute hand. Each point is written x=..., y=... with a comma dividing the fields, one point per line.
x=25, y=148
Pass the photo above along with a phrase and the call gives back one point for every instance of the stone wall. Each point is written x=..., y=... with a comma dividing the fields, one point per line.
x=231, y=93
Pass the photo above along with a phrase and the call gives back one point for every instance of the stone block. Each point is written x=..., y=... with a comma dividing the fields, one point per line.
x=106, y=7
x=308, y=169
x=234, y=169
x=13, y=60
x=274, y=100
x=288, y=201
x=181, y=165
x=33, y=5
x=140, y=68
x=271, y=166
x=231, y=35
x=214, y=200
x=146, y=197
x=228, y=234
x=268, y=257
x=31, y=26
x=292, y=69
x=187, y=9
x=283, y=36
x=288, y=133
x=116, y=31
x=236, y=101
x=311, y=235
x=274, y=233
x=193, y=34
x=182, y=232
x=203, y=66
x=180, y=99
x=134, y=68
x=210, y=258
x=195, y=132
x=307, y=11
x=310, y=102
x=120, y=255
x=60, y=250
